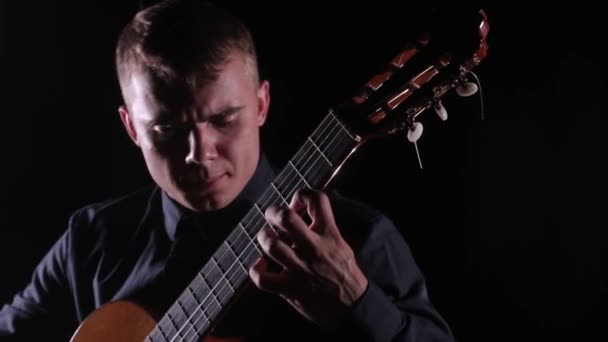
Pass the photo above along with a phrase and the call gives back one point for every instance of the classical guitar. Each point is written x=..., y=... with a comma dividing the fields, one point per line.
x=391, y=102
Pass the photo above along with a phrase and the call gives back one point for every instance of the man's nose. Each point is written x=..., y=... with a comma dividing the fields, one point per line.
x=201, y=144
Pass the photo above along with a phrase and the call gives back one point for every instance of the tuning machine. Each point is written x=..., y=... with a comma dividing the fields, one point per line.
x=440, y=110
x=414, y=131
x=466, y=87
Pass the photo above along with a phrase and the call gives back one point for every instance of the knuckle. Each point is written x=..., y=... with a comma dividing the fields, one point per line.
x=274, y=247
x=301, y=192
x=270, y=213
x=286, y=216
x=264, y=238
x=320, y=197
x=255, y=276
x=317, y=254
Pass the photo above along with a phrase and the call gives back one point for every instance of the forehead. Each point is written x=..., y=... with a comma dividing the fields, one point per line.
x=234, y=80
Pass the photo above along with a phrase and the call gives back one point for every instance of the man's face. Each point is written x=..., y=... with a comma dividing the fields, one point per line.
x=200, y=145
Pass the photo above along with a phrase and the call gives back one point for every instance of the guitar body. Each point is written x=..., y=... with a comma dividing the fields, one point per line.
x=124, y=321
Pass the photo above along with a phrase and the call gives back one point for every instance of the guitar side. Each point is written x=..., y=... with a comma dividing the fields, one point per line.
x=124, y=321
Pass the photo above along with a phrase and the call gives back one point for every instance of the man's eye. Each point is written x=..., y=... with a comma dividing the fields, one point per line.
x=224, y=120
x=162, y=128
x=165, y=129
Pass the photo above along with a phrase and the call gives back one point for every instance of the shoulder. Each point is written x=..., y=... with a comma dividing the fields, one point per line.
x=113, y=218
x=124, y=207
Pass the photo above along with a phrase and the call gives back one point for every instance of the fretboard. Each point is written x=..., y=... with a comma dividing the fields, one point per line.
x=214, y=287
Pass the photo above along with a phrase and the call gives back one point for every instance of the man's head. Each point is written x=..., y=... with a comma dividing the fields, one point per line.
x=193, y=100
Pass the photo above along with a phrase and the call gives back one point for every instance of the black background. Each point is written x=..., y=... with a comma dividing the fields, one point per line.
x=506, y=218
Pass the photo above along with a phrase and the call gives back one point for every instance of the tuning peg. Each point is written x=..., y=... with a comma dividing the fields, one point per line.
x=467, y=89
x=414, y=133
x=440, y=110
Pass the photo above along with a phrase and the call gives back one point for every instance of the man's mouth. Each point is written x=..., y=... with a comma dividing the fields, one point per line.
x=213, y=179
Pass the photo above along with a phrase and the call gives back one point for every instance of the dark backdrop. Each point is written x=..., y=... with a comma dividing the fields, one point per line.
x=506, y=219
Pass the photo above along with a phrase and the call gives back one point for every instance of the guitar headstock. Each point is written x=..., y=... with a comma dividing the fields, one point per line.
x=415, y=80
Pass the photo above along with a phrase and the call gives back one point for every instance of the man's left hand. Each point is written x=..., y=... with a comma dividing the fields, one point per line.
x=320, y=277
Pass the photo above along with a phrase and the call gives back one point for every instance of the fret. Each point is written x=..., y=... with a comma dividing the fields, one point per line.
x=237, y=240
x=223, y=261
x=193, y=295
x=321, y=152
x=289, y=181
x=279, y=193
x=250, y=239
x=321, y=129
x=333, y=142
x=176, y=328
x=189, y=314
x=174, y=319
x=229, y=285
x=165, y=326
x=251, y=221
x=242, y=240
x=235, y=255
x=200, y=296
x=261, y=217
x=191, y=334
x=301, y=164
x=260, y=210
x=299, y=174
x=251, y=254
x=162, y=332
x=191, y=331
x=210, y=289
x=344, y=129
x=156, y=334
x=199, y=306
x=323, y=145
x=247, y=234
x=223, y=277
x=250, y=249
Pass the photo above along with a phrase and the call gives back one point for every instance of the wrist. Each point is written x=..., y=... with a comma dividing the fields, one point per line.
x=355, y=287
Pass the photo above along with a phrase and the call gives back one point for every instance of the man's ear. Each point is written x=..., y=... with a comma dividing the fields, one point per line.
x=263, y=101
x=128, y=123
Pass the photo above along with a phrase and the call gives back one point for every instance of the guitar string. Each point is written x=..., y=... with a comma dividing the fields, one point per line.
x=249, y=242
x=297, y=177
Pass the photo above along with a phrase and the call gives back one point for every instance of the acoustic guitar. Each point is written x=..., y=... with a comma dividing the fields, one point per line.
x=391, y=102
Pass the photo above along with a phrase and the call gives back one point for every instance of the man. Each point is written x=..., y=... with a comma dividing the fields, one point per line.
x=194, y=105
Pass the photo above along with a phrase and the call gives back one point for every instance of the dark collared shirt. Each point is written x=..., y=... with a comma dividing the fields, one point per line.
x=124, y=249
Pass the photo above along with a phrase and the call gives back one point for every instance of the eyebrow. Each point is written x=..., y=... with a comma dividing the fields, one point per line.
x=226, y=111
x=165, y=118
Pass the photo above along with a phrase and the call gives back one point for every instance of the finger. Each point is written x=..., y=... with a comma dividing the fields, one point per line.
x=264, y=279
x=319, y=208
x=279, y=251
x=293, y=225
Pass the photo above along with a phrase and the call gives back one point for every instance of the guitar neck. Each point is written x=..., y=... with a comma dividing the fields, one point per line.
x=225, y=274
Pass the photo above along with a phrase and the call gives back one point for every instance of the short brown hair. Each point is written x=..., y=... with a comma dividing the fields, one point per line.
x=181, y=39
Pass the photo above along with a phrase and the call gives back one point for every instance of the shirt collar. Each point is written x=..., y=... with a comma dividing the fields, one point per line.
x=174, y=213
